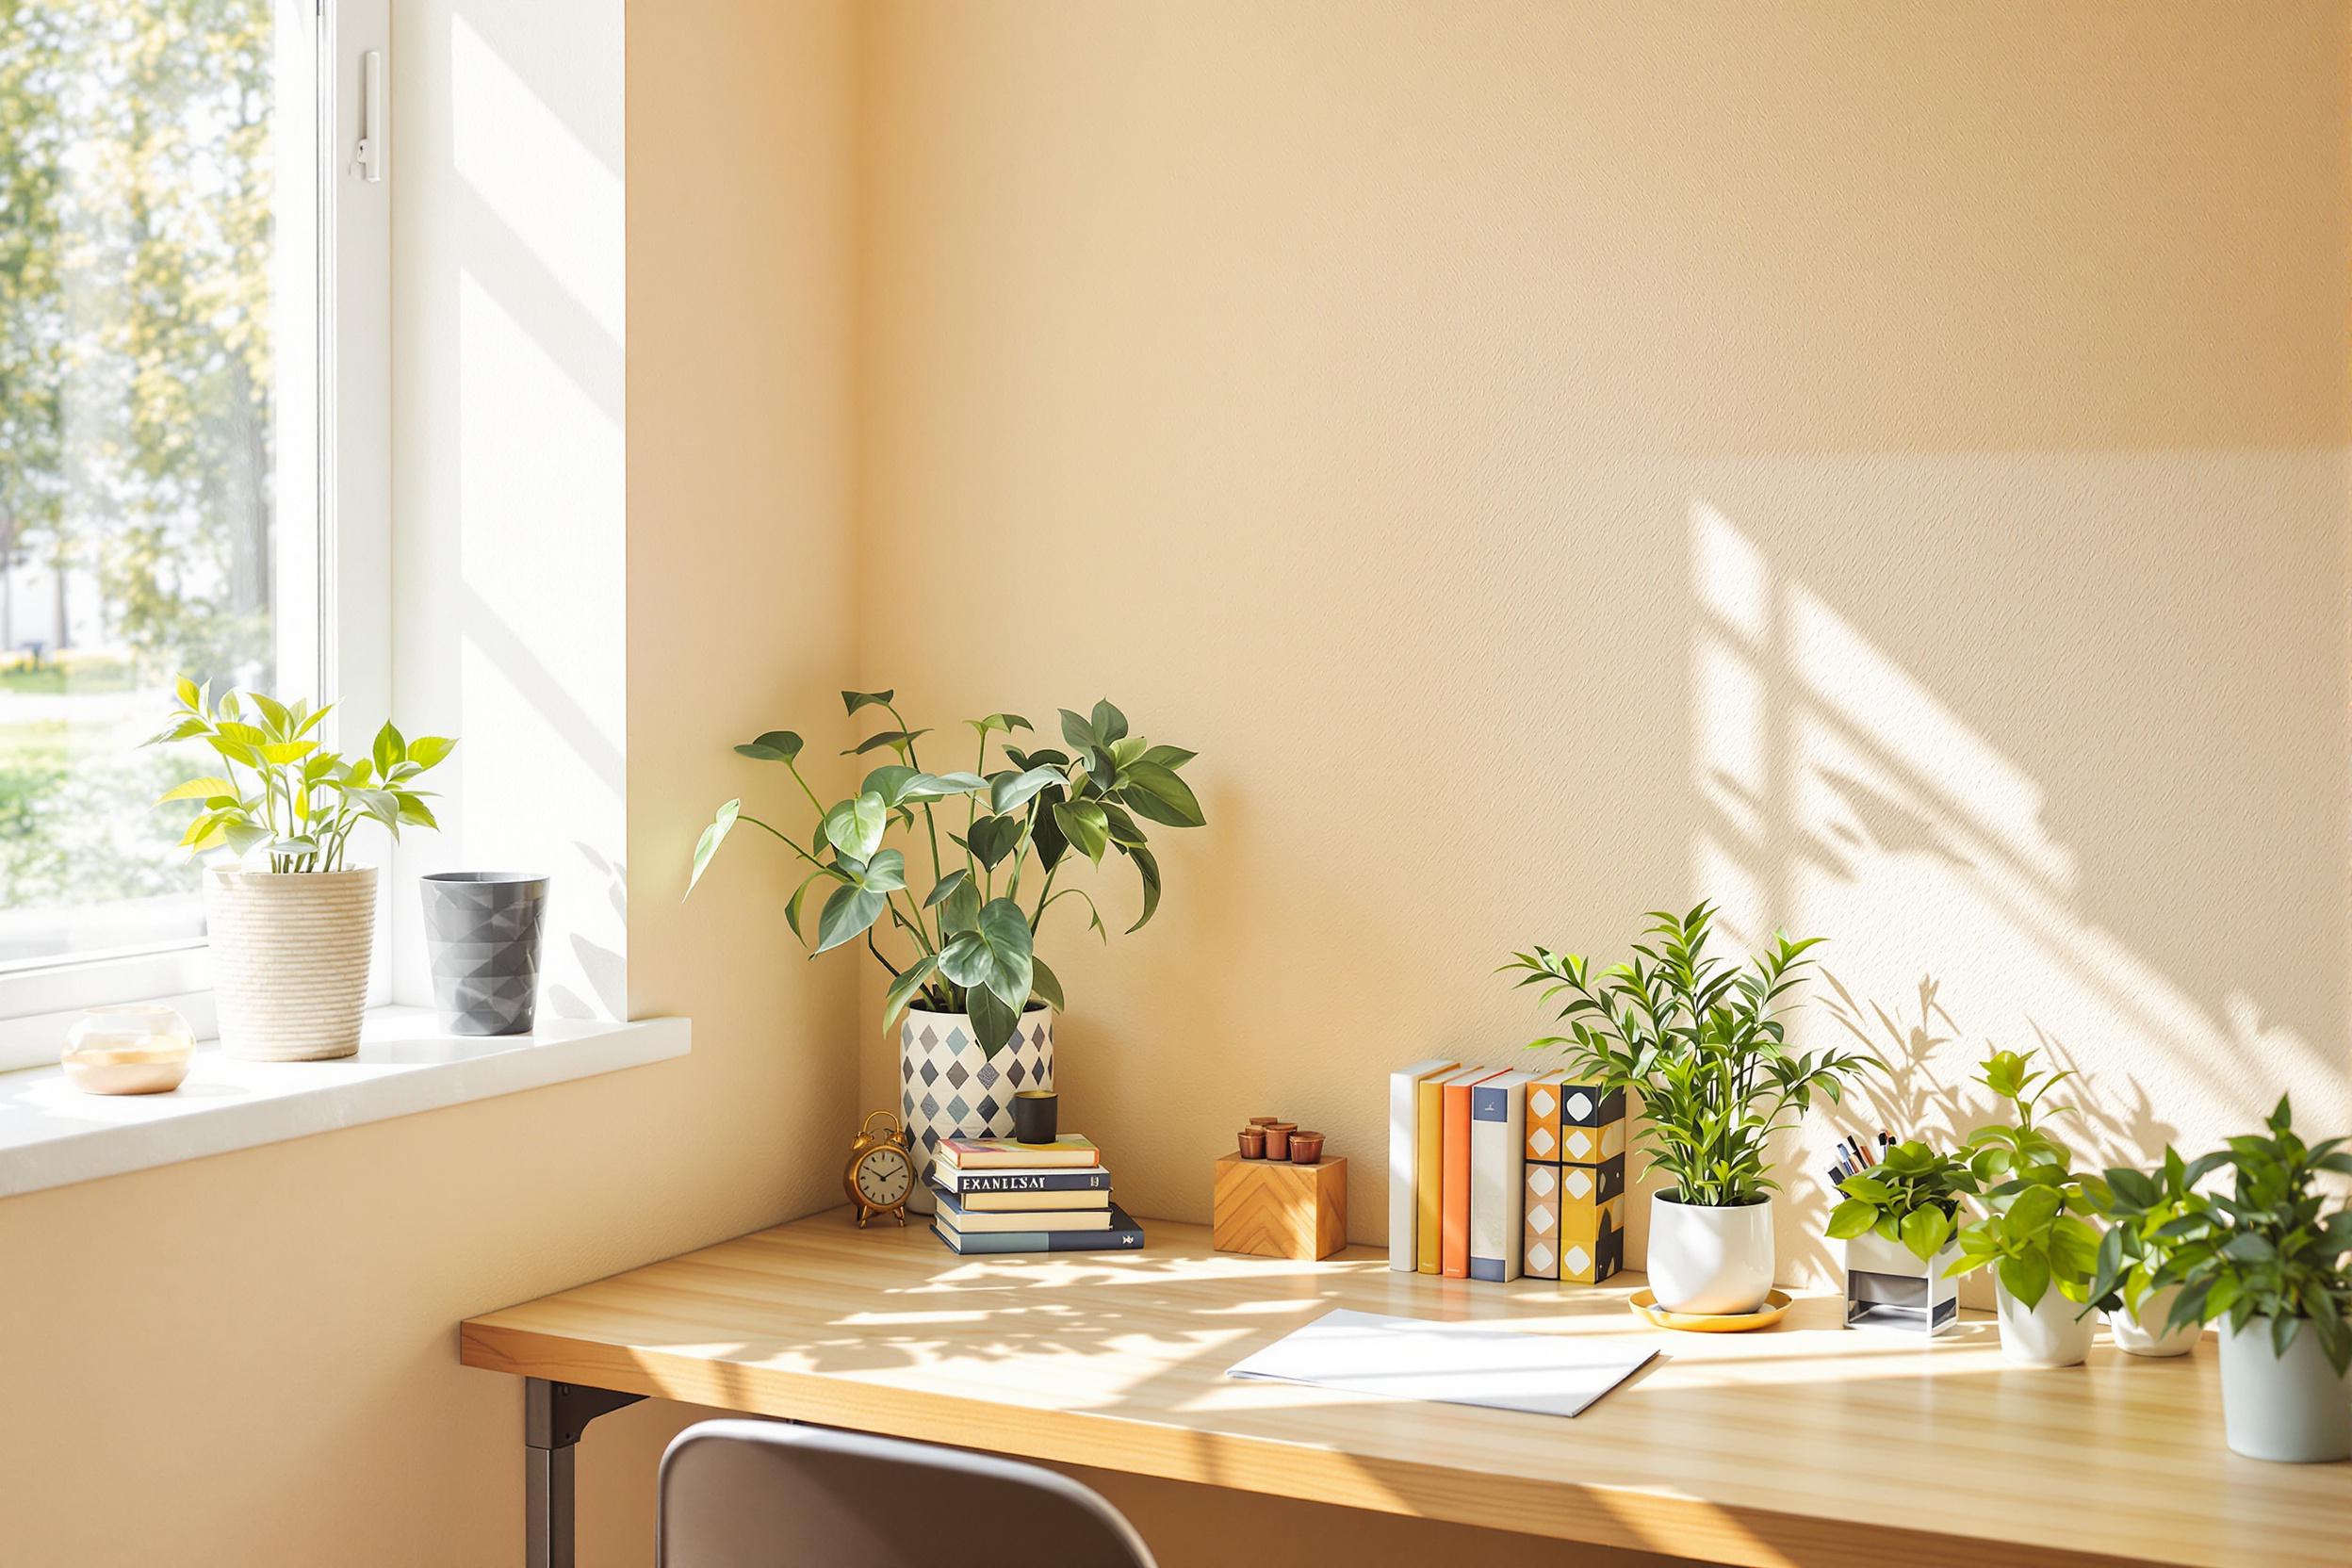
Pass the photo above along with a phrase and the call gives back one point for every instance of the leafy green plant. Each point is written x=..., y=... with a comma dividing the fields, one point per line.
x=302, y=802
x=1701, y=1038
x=2149, y=1214
x=2270, y=1248
x=1911, y=1197
x=2035, y=1235
x=969, y=945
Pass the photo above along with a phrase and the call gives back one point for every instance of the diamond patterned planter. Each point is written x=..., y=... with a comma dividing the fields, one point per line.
x=948, y=1087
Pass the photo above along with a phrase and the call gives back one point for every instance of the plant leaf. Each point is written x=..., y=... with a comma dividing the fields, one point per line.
x=1009, y=791
x=851, y=701
x=776, y=746
x=198, y=789
x=711, y=838
x=847, y=915
x=855, y=826
x=1083, y=822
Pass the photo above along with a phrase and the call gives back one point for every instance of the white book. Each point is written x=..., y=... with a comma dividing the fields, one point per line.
x=1403, y=1150
x=1499, y=1143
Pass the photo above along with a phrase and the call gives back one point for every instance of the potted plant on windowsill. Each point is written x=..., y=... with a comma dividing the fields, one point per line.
x=2272, y=1263
x=1899, y=1219
x=2043, y=1249
x=290, y=922
x=2149, y=1214
x=1701, y=1040
x=963, y=963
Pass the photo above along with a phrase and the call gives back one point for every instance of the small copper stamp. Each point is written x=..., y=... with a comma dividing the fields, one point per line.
x=1277, y=1139
x=1306, y=1148
x=1253, y=1143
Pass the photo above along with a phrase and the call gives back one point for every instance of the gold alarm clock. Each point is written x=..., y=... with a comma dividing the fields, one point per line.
x=881, y=1174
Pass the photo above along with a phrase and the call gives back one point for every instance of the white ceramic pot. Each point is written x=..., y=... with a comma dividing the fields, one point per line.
x=2048, y=1333
x=289, y=960
x=2293, y=1408
x=1711, y=1260
x=2142, y=1332
x=948, y=1087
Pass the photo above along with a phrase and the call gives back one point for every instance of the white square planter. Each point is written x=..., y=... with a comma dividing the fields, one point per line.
x=1887, y=1287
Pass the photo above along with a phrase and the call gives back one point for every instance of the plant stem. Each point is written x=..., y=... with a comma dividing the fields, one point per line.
x=1045, y=896
x=877, y=953
x=788, y=844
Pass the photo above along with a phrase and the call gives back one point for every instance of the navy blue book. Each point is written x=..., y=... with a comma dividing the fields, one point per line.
x=1124, y=1235
x=947, y=1175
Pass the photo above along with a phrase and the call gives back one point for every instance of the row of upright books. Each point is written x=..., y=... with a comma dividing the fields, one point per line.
x=994, y=1194
x=1495, y=1172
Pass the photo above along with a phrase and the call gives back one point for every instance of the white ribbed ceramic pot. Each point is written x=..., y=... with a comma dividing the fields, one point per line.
x=289, y=960
x=2142, y=1332
x=2054, y=1332
x=2294, y=1408
x=951, y=1089
x=1711, y=1260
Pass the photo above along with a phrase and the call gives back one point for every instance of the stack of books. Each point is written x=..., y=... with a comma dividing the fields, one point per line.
x=1495, y=1173
x=995, y=1195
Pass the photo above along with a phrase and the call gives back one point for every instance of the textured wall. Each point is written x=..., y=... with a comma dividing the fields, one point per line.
x=1879, y=467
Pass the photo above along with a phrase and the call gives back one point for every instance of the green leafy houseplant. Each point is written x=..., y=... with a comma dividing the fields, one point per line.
x=282, y=793
x=1910, y=1197
x=1702, y=1040
x=968, y=944
x=2271, y=1247
x=2037, y=1234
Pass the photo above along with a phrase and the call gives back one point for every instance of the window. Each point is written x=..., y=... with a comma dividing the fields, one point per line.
x=192, y=420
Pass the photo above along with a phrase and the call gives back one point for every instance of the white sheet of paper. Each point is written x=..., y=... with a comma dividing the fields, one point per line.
x=1456, y=1364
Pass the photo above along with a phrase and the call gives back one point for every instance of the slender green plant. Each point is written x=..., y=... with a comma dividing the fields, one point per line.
x=2036, y=1233
x=969, y=944
x=1701, y=1038
x=280, y=791
x=1910, y=1197
x=2273, y=1247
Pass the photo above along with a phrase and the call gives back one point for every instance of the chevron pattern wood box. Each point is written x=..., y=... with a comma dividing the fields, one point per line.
x=1274, y=1209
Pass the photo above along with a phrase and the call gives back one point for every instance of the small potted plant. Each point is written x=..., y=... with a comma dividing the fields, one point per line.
x=1702, y=1040
x=2149, y=1215
x=962, y=956
x=1898, y=1219
x=290, y=920
x=2272, y=1263
x=2043, y=1249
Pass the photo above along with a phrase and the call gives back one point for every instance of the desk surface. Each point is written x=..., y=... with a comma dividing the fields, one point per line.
x=1804, y=1444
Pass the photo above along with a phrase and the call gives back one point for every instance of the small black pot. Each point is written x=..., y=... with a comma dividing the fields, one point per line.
x=1035, y=1116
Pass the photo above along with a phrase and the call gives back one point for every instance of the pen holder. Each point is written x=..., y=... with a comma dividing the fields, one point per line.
x=1889, y=1287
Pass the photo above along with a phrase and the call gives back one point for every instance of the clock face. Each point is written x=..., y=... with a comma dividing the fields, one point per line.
x=884, y=1177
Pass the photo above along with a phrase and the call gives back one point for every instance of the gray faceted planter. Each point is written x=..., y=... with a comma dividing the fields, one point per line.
x=482, y=938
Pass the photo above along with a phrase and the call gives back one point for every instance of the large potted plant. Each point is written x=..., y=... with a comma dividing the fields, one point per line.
x=2271, y=1260
x=961, y=945
x=1702, y=1042
x=289, y=920
x=2035, y=1235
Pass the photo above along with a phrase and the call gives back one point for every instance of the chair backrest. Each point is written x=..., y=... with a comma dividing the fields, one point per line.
x=766, y=1495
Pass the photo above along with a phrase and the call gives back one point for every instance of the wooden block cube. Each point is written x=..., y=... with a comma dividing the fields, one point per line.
x=1274, y=1209
x=1540, y=1251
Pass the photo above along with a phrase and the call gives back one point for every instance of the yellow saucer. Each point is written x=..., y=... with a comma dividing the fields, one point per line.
x=1775, y=1307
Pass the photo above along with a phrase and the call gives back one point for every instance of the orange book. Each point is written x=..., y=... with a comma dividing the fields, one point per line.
x=1453, y=1241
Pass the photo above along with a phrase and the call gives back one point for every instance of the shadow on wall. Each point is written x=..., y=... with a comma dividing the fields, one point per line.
x=1837, y=792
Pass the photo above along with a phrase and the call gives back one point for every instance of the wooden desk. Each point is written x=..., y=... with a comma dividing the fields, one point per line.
x=1805, y=1444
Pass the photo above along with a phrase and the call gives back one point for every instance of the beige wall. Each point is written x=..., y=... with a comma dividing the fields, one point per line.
x=252, y=1359
x=1882, y=467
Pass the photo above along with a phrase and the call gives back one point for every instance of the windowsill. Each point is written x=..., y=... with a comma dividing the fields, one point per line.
x=51, y=1133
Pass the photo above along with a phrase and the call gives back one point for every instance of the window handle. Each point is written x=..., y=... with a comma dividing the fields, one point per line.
x=368, y=159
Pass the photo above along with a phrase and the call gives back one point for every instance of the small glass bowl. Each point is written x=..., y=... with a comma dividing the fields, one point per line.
x=135, y=1048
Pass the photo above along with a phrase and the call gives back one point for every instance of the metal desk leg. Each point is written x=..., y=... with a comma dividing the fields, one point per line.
x=554, y=1415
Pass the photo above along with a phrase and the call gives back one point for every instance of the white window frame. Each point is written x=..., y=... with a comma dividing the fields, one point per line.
x=341, y=329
